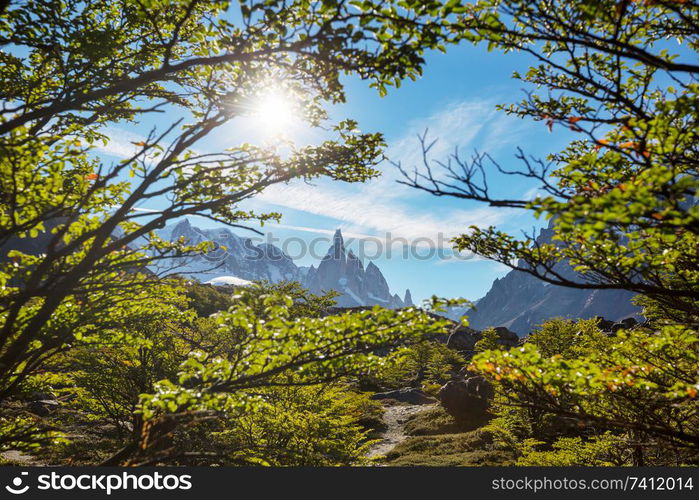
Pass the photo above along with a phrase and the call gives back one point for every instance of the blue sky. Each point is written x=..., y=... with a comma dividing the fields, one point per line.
x=455, y=100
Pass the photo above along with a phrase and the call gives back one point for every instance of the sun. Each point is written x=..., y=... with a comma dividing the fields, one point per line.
x=275, y=112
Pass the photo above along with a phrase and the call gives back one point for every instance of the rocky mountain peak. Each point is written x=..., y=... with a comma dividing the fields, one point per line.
x=340, y=270
x=343, y=271
x=232, y=256
x=521, y=302
x=354, y=261
x=338, y=240
x=337, y=249
x=408, y=299
x=182, y=227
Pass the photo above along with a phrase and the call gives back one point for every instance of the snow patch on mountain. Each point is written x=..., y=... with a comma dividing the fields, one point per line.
x=237, y=258
x=228, y=280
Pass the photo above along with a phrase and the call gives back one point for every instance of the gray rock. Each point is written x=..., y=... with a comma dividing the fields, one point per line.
x=463, y=338
x=43, y=407
x=406, y=395
x=624, y=324
x=629, y=322
x=507, y=337
x=40, y=395
x=604, y=324
x=467, y=400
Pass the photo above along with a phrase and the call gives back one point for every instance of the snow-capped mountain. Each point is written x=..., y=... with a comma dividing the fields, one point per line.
x=237, y=260
x=232, y=257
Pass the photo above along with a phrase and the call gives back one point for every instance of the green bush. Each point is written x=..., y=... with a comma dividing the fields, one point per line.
x=571, y=382
x=427, y=365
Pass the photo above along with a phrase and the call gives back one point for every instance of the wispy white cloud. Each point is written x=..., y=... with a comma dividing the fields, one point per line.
x=383, y=206
x=120, y=144
x=462, y=126
x=325, y=232
x=379, y=216
x=146, y=210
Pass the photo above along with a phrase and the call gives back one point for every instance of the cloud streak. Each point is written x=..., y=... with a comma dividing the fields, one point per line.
x=121, y=143
x=376, y=215
x=383, y=206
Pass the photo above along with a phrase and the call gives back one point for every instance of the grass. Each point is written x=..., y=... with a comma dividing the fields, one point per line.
x=437, y=440
x=430, y=422
x=462, y=449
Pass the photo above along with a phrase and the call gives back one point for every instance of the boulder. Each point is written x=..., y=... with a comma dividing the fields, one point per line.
x=629, y=323
x=624, y=324
x=467, y=400
x=604, y=324
x=463, y=338
x=43, y=407
x=40, y=395
x=508, y=338
x=406, y=395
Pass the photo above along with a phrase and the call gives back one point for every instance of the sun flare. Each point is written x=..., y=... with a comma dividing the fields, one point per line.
x=275, y=112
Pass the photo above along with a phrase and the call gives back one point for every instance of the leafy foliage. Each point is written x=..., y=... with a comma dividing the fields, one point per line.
x=568, y=452
x=273, y=344
x=621, y=198
x=426, y=365
x=76, y=243
x=299, y=426
x=267, y=360
x=75, y=68
x=475, y=448
x=621, y=203
x=641, y=385
x=488, y=341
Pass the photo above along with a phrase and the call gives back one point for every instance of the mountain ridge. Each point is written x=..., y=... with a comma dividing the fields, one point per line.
x=521, y=302
x=237, y=258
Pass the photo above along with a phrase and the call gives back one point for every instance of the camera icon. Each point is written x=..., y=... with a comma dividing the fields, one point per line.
x=16, y=487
